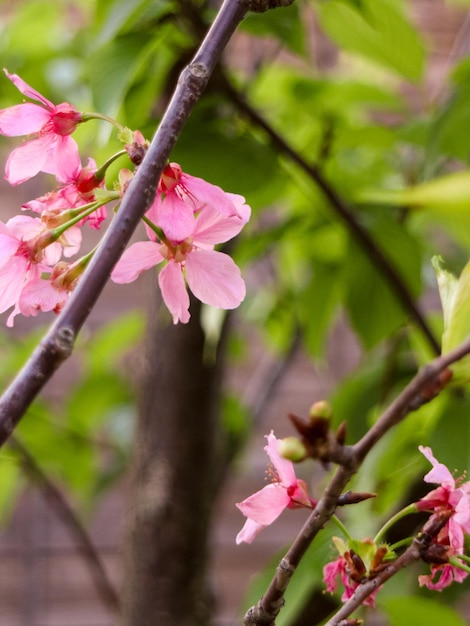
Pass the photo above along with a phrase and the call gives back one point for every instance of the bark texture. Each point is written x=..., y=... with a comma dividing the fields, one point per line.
x=173, y=490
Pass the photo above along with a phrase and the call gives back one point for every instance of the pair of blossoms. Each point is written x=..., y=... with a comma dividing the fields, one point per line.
x=188, y=218
x=358, y=560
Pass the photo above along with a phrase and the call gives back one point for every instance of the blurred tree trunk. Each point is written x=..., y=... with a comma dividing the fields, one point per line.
x=174, y=480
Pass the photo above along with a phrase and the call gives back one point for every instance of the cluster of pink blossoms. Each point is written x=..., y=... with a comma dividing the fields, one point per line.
x=450, y=500
x=361, y=561
x=451, y=497
x=188, y=218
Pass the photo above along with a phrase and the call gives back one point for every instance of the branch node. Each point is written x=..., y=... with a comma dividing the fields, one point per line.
x=64, y=341
x=199, y=70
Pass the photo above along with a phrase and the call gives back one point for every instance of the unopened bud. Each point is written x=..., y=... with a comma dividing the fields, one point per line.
x=292, y=449
x=353, y=497
x=341, y=433
x=321, y=409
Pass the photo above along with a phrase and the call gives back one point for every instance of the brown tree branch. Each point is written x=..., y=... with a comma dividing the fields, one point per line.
x=415, y=393
x=64, y=511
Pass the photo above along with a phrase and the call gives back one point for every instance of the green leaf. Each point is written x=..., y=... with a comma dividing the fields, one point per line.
x=317, y=304
x=455, y=299
x=373, y=307
x=446, y=201
x=113, y=67
x=10, y=484
x=419, y=612
x=286, y=25
x=120, y=16
x=451, y=192
x=377, y=31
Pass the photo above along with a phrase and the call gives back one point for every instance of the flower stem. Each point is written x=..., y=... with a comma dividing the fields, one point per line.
x=341, y=526
x=411, y=508
x=101, y=116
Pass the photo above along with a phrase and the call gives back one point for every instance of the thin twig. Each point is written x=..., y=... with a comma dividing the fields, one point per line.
x=343, y=211
x=265, y=612
x=64, y=511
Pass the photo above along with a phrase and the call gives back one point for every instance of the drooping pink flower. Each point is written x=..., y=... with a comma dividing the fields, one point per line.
x=451, y=495
x=285, y=492
x=52, y=147
x=180, y=196
x=442, y=576
x=212, y=276
x=25, y=254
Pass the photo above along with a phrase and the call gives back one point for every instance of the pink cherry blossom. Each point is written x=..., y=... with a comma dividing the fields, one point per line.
x=180, y=196
x=286, y=491
x=52, y=147
x=212, y=276
x=453, y=495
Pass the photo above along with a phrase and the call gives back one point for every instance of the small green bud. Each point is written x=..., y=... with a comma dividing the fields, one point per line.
x=292, y=449
x=321, y=409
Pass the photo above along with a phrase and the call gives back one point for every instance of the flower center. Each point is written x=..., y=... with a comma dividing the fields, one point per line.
x=176, y=252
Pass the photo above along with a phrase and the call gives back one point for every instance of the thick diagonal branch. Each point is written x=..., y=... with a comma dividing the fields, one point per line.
x=57, y=345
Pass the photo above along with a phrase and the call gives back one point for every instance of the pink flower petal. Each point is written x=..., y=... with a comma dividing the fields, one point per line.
x=62, y=157
x=174, y=216
x=212, y=227
x=136, y=259
x=41, y=295
x=214, y=278
x=205, y=194
x=23, y=119
x=27, y=160
x=12, y=277
x=248, y=532
x=265, y=506
x=284, y=467
x=174, y=292
x=27, y=90
x=439, y=473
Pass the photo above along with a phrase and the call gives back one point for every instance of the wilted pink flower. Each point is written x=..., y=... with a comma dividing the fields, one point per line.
x=52, y=125
x=212, y=276
x=181, y=196
x=286, y=491
x=355, y=566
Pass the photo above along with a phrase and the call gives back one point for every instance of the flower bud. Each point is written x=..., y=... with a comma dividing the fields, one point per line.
x=321, y=409
x=292, y=449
